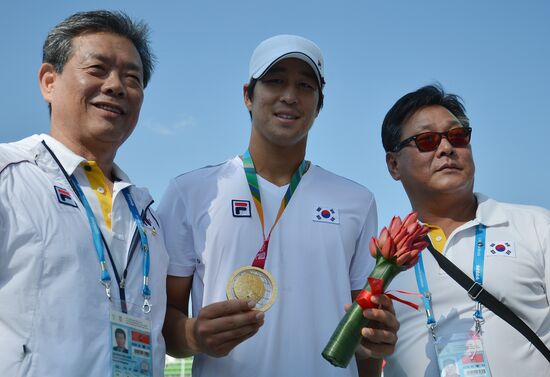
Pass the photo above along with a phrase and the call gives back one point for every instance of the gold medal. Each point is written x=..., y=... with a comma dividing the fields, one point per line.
x=252, y=283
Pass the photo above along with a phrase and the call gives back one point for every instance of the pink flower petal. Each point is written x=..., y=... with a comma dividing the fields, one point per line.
x=395, y=226
x=384, y=234
x=402, y=234
x=388, y=249
x=372, y=247
x=410, y=219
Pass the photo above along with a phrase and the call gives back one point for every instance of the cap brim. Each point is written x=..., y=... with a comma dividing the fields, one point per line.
x=297, y=55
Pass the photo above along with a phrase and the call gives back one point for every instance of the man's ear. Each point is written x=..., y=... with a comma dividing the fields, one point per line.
x=46, y=80
x=247, y=100
x=393, y=165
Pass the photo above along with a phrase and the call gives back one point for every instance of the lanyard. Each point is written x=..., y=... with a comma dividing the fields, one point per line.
x=105, y=277
x=252, y=179
x=422, y=282
x=146, y=291
x=478, y=270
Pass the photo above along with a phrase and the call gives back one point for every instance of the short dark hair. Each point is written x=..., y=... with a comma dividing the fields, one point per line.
x=57, y=47
x=410, y=103
x=120, y=331
x=252, y=85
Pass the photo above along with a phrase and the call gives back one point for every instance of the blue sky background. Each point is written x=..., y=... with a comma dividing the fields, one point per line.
x=495, y=54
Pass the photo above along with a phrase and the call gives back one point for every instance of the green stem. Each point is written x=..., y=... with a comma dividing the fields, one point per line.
x=347, y=336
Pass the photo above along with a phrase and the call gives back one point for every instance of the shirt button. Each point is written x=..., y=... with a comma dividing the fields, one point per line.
x=101, y=190
x=438, y=238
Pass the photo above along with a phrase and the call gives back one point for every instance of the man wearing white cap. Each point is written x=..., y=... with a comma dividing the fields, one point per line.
x=285, y=240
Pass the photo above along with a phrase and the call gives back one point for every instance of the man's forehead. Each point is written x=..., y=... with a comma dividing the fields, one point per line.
x=426, y=116
x=90, y=47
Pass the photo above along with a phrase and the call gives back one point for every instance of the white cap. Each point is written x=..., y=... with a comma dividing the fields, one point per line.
x=280, y=47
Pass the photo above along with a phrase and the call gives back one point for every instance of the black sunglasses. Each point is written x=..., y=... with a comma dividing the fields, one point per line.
x=429, y=141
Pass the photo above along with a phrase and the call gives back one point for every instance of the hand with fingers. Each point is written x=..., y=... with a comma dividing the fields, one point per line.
x=221, y=326
x=379, y=340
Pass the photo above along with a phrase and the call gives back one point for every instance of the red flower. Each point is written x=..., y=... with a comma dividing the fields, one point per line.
x=396, y=250
x=402, y=243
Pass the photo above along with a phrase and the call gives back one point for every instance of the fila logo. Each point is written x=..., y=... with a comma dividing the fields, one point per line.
x=241, y=208
x=64, y=196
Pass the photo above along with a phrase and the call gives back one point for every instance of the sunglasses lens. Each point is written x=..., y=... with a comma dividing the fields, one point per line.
x=459, y=137
x=428, y=141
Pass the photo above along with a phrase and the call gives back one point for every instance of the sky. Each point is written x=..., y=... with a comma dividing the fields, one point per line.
x=495, y=54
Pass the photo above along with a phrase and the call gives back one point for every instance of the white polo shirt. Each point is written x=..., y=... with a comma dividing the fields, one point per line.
x=54, y=317
x=316, y=264
x=517, y=273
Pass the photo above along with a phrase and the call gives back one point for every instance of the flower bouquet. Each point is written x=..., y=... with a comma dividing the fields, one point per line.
x=396, y=250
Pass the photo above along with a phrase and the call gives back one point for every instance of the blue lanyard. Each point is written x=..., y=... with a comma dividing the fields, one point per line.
x=422, y=282
x=478, y=268
x=105, y=277
x=144, y=247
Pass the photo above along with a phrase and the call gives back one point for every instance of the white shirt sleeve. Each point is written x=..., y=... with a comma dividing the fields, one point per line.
x=178, y=232
x=545, y=242
x=3, y=225
x=362, y=262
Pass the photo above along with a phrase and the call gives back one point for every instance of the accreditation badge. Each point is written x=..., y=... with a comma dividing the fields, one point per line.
x=131, y=343
x=252, y=283
x=462, y=355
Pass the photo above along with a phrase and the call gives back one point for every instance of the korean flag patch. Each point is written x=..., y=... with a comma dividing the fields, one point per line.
x=64, y=196
x=501, y=249
x=324, y=214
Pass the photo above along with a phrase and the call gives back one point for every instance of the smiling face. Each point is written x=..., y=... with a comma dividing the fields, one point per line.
x=284, y=105
x=96, y=99
x=447, y=170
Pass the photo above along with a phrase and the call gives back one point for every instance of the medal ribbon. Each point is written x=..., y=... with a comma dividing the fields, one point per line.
x=252, y=179
x=422, y=282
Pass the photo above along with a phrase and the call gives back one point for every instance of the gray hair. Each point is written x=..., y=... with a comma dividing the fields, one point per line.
x=58, y=44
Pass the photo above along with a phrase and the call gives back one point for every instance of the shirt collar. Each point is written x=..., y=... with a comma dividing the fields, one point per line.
x=71, y=161
x=66, y=157
x=488, y=212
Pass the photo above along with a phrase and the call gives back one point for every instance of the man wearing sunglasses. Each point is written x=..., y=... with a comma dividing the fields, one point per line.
x=426, y=136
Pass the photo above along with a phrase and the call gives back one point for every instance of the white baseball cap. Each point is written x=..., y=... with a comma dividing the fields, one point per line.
x=280, y=47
